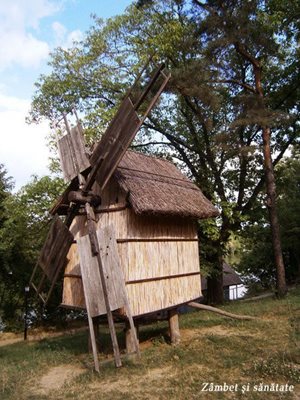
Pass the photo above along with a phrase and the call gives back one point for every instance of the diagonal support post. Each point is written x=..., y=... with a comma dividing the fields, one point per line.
x=96, y=253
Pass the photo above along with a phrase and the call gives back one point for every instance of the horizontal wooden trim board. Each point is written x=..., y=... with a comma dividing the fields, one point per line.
x=111, y=209
x=104, y=210
x=155, y=278
x=129, y=240
x=159, y=278
x=150, y=240
x=72, y=276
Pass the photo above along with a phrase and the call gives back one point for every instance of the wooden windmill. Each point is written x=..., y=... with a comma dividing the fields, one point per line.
x=102, y=278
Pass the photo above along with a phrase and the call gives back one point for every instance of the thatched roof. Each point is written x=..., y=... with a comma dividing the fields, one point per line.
x=230, y=277
x=154, y=186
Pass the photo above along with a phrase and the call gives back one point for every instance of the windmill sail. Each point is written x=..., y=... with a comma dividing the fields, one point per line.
x=122, y=130
x=52, y=256
x=72, y=154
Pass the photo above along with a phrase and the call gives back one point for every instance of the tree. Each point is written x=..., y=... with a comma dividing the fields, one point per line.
x=6, y=186
x=238, y=26
x=22, y=234
x=209, y=120
x=288, y=183
x=255, y=259
x=5, y=192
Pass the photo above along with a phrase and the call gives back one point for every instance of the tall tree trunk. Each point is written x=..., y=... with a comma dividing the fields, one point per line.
x=273, y=216
x=215, y=293
x=270, y=187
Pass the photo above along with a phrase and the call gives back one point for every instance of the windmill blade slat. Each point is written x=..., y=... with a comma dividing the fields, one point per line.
x=147, y=89
x=53, y=255
x=125, y=113
x=72, y=154
x=122, y=131
x=55, y=249
x=115, y=142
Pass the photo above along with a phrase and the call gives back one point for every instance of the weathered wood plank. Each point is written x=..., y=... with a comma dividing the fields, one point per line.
x=114, y=143
x=53, y=254
x=96, y=253
x=91, y=280
x=174, y=326
x=111, y=267
x=130, y=338
x=91, y=276
x=72, y=154
x=125, y=111
x=93, y=342
x=111, y=261
x=221, y=312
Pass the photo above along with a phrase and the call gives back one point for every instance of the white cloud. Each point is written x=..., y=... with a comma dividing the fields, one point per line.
x=23, y=49
x=59, y=31
x=18, y=20
x=23, y=148
x=63, y=38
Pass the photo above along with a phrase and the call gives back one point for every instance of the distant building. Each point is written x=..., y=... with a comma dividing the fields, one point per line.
x=232, y=284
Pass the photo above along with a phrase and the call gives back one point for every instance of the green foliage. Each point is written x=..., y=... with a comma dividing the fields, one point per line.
x=22, y=234
x=256, y=256
x=5, y=187
x=288, y=183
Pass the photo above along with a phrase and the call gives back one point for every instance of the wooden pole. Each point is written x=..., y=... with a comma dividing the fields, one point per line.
x=26, y=293
x=131, y=338
x=96, y=332
x=218, y=311
x=96, y=253
x=174, y=326
x=93, y=341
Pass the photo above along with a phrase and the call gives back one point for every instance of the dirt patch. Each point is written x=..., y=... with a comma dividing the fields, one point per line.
x=56, y=378
x=218, y=330
x=7, y=338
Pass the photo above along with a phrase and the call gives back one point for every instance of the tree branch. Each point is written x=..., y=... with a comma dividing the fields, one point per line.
x=135, y=146
x=243, y=52
x=169, y=136
x=235, y=81
x=261, y=183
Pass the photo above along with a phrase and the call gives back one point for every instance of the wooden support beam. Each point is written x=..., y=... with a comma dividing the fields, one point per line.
x=131, y=337
x=218, y=311
x=174, y=326
x=93, y=342
x=96, y=253
x=149, y=86
x=95, y=321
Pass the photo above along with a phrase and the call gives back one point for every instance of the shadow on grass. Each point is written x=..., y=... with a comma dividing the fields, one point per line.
x=74, y=344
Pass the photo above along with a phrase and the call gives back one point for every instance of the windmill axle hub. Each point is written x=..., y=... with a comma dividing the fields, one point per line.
x=80, y=198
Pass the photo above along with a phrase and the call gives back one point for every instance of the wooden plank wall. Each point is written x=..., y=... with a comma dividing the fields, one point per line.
x=73, y=295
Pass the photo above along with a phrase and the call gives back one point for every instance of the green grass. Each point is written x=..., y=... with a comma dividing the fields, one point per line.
x=213, y=349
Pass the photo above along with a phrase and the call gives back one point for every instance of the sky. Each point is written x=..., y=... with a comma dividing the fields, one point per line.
x=29, y=30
